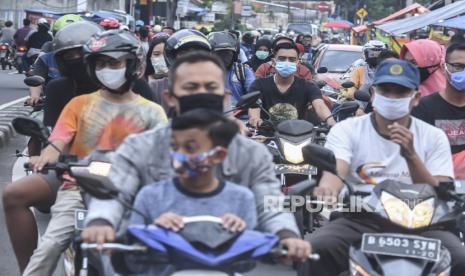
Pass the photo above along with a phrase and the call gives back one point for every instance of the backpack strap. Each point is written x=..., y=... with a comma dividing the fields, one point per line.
x=240, y=74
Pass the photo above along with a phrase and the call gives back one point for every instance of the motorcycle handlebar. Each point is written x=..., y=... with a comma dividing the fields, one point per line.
x=276, y=252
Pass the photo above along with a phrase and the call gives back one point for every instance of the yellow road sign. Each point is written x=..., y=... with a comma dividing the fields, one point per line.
x=362, y=13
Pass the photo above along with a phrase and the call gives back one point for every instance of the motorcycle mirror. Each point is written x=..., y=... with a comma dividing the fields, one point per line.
x=320, y=83
x=320, y=157
x=34, y=81
x=322, y=70
x=347, y=84
x=302, y=188
x=96, y=185
x=248, y=100
x=348, y=107
x=363, y=96
x=30, y=127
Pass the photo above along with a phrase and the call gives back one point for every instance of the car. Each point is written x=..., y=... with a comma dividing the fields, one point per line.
x=332, y=61
x=295, y=29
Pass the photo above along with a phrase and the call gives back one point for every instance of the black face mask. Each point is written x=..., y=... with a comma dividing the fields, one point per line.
x=372, y=62
x=201, y=100
x=75, y=69
x=424, y=72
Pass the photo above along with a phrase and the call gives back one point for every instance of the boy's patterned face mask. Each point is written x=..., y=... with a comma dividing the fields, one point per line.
x=191, y=165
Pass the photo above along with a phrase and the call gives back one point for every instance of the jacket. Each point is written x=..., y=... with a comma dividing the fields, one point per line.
x=235, y=84
x=428, y=53
x=144, y=158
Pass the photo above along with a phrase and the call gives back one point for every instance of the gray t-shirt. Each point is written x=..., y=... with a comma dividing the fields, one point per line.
x=170, y=196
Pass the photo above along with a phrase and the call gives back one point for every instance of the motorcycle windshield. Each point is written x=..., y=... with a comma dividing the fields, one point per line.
x=250, y=244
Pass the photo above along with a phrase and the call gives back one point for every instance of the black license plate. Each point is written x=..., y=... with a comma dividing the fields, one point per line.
x=79, y=219
x=402, y=246
x=295, y=169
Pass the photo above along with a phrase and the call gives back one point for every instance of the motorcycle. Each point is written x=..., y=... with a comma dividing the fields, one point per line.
x=5, y=55
x=202, y=247
x=97, y=163
x=335, y=92
x=411, y=208
x=17, y=58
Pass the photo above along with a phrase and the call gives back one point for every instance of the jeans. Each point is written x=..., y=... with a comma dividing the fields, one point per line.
x=333, y=241
x=58, y=235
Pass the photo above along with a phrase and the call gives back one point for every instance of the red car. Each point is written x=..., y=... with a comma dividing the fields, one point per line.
x=337, y=59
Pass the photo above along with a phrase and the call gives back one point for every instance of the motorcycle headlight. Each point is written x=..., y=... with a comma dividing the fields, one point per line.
x=399, y=212
x=99, y=168
x=356, y=269
x=293, y=152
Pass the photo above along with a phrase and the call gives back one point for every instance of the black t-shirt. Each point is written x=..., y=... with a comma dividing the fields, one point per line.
x=436, y=111
x=295, y=99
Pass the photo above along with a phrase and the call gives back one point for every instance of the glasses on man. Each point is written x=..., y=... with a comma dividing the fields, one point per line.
x=455, y=67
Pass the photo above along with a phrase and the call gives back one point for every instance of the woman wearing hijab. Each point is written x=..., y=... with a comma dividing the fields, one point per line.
x=262, y=54
x=156, y=66
x=428, y=55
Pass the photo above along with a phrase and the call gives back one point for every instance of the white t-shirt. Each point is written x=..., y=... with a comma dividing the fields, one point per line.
x=373, y=158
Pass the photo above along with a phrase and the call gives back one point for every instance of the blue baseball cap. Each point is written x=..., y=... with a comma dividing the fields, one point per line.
x=399, y=72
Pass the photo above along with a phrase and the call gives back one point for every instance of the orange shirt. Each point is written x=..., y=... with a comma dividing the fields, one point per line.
x=90, y=122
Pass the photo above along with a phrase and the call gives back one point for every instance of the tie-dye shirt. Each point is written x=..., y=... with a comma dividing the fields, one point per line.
x=91, y=122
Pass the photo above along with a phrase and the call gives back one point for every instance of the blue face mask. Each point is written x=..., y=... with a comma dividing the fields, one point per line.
x=262, y=54
x=457, y=80
x=286, y=68
x=191, y=165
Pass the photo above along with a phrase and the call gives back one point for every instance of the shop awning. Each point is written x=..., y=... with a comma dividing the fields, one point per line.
x=414, y=8
x=455, y=23
x=417, y=22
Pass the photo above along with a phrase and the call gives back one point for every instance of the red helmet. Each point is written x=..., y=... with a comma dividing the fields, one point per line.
x=110, y=23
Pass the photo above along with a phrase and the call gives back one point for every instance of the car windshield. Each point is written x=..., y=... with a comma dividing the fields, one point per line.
x=300, y=28
x=339, y=61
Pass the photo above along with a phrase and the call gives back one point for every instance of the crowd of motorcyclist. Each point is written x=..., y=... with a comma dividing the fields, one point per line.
x=109, y=89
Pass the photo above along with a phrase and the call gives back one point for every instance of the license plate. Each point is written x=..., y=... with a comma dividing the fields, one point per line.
x=79, y=219
x=402, y=246
x=295, y=169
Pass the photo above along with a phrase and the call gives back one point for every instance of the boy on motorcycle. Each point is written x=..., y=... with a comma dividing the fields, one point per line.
x=386, y=144
x=199, y=143
x=196, y=81
x=93, y=121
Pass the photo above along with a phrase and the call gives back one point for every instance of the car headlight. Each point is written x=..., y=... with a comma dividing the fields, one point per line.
x=99, y=168
x=356, y=269
x=399, y=212
x=293, y=152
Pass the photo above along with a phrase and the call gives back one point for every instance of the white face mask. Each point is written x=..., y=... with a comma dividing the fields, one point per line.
x=111, y=78
x=391, y=109
x=159, y=65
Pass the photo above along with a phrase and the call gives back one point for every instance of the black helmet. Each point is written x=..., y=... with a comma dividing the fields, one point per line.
x=184, y=39
x=117, y=44
x=224, y=41
x=71, y=36
x=248, y=37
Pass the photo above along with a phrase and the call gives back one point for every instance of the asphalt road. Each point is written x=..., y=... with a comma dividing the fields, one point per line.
x=11, y=86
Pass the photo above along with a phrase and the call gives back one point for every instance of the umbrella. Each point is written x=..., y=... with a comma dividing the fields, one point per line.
x=337, y=24
x=456, y=23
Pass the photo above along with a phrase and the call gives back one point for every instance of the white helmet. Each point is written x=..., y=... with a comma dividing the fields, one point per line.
x=373, y=48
